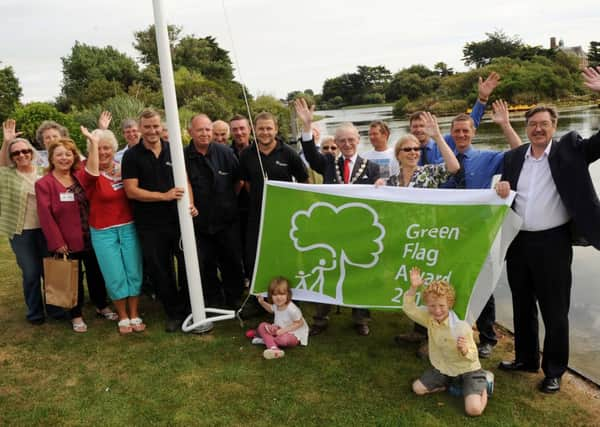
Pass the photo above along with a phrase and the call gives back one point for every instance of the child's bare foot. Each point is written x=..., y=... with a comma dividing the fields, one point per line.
x=273, y=353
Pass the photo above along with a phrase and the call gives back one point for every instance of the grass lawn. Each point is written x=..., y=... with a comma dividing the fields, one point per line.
x=52, y=376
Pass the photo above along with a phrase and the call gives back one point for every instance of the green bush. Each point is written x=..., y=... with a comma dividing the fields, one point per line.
x=211, y=104
x=399, y=109
x=121, y=107
x=373, y=98
x=30, y=116
x=279, y=110
x=449, y=107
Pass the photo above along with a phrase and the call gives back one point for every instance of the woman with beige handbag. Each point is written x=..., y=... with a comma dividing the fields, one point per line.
x=63, y=210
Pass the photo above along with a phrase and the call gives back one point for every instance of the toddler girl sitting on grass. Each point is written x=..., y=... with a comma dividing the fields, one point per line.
x=289, y=327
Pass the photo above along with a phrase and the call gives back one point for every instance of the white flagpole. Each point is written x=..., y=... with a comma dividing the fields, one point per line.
x=197, y=321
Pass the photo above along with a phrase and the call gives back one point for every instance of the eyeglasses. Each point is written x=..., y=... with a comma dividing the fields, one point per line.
x=24, y=152
x=541, y=125
x=329, y=148
x=409, y=149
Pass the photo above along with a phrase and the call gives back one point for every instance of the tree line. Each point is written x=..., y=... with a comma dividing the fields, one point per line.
x=98, y=78
x=530, y=74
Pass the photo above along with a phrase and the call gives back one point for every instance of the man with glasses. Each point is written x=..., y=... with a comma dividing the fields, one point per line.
x=555, y=197
x=349, y=168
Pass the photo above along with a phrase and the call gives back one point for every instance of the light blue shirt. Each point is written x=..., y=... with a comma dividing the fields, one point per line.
x=432, y=151
x=480, y=167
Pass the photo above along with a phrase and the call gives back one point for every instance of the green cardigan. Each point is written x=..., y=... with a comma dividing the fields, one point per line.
x=13, y=200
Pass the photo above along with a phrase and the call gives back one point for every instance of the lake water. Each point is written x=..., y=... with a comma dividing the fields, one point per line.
x=585, y=299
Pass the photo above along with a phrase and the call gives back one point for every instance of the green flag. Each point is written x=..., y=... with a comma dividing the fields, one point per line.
x=354, y=245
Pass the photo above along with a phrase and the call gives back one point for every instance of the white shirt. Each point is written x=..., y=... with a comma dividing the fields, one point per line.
x=286, y=317
x=388, y=164
x=538, y=201
x=119, y=154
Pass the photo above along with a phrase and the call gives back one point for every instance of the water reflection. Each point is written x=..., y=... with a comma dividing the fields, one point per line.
x=585, y=299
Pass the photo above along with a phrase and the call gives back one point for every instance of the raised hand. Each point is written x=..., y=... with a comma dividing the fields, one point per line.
x=415, y=277
x=9, y=127
x=304, y=113
x=486, y=87
x=500, y=114
x=90, y=137
x=431, y=125
x=591, y=78
x=104, y=120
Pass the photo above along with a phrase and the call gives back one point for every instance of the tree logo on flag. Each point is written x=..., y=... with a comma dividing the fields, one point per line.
x=350, y=234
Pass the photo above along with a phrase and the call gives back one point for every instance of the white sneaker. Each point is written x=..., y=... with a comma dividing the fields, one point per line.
x=257, y=340
x=273, y=353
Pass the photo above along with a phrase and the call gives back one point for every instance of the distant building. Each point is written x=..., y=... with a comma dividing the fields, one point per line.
x=571, y=50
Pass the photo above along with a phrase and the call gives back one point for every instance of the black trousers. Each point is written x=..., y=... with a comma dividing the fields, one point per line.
x=539, y=271
x=485, y=323
x=221, y=250
x=94, y=279
x=160, y=248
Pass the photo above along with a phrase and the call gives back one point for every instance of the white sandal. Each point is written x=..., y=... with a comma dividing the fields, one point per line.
x=137, y=324
x=273, y=353
x=79, y=327
x=124, y=327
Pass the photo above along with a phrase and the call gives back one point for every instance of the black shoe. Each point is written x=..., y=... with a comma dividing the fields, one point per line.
x=362, y=330
x=517, y=366
x=485, y=350
x=37, y=322
x=316, y=329
x=411, y=337
x=550, y=385
x=172, y=325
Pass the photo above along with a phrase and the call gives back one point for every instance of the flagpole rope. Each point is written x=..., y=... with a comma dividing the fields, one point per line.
x=252, y=129
x=243, y=84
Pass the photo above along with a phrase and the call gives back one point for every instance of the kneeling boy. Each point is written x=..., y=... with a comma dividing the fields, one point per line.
x=452, y=349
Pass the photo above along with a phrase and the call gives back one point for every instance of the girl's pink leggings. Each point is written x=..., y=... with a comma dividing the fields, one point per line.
x=268, y=333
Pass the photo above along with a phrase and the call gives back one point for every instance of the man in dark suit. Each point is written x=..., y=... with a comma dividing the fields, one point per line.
x=555, y=195
x=349, y=168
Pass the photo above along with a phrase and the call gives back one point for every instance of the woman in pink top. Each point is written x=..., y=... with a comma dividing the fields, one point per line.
x=63, y=212
x=112, y=230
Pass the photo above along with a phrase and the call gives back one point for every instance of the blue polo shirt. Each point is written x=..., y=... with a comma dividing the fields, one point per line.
x=431, y=149
x=480, y=167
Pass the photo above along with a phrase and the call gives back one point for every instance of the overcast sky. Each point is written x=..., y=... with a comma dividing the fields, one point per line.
x=285, y=45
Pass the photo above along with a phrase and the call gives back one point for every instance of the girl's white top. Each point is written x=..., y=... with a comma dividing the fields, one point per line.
x=287, y=316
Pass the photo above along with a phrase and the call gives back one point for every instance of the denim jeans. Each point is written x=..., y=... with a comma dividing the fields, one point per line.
x=30, y=249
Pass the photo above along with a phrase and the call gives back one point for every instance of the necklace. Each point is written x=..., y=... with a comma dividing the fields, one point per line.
x=353, y=178
x=111, y=172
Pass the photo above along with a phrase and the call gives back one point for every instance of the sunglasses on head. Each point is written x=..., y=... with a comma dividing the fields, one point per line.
x=329, y=148
x=409, y=149
x=24, y=152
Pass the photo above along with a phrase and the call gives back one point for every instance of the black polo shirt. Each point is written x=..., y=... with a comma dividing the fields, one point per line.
x=153, y=174
x=213, y=177
x=281, y=164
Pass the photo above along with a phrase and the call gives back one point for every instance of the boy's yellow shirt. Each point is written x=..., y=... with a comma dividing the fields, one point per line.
x=443, y=353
